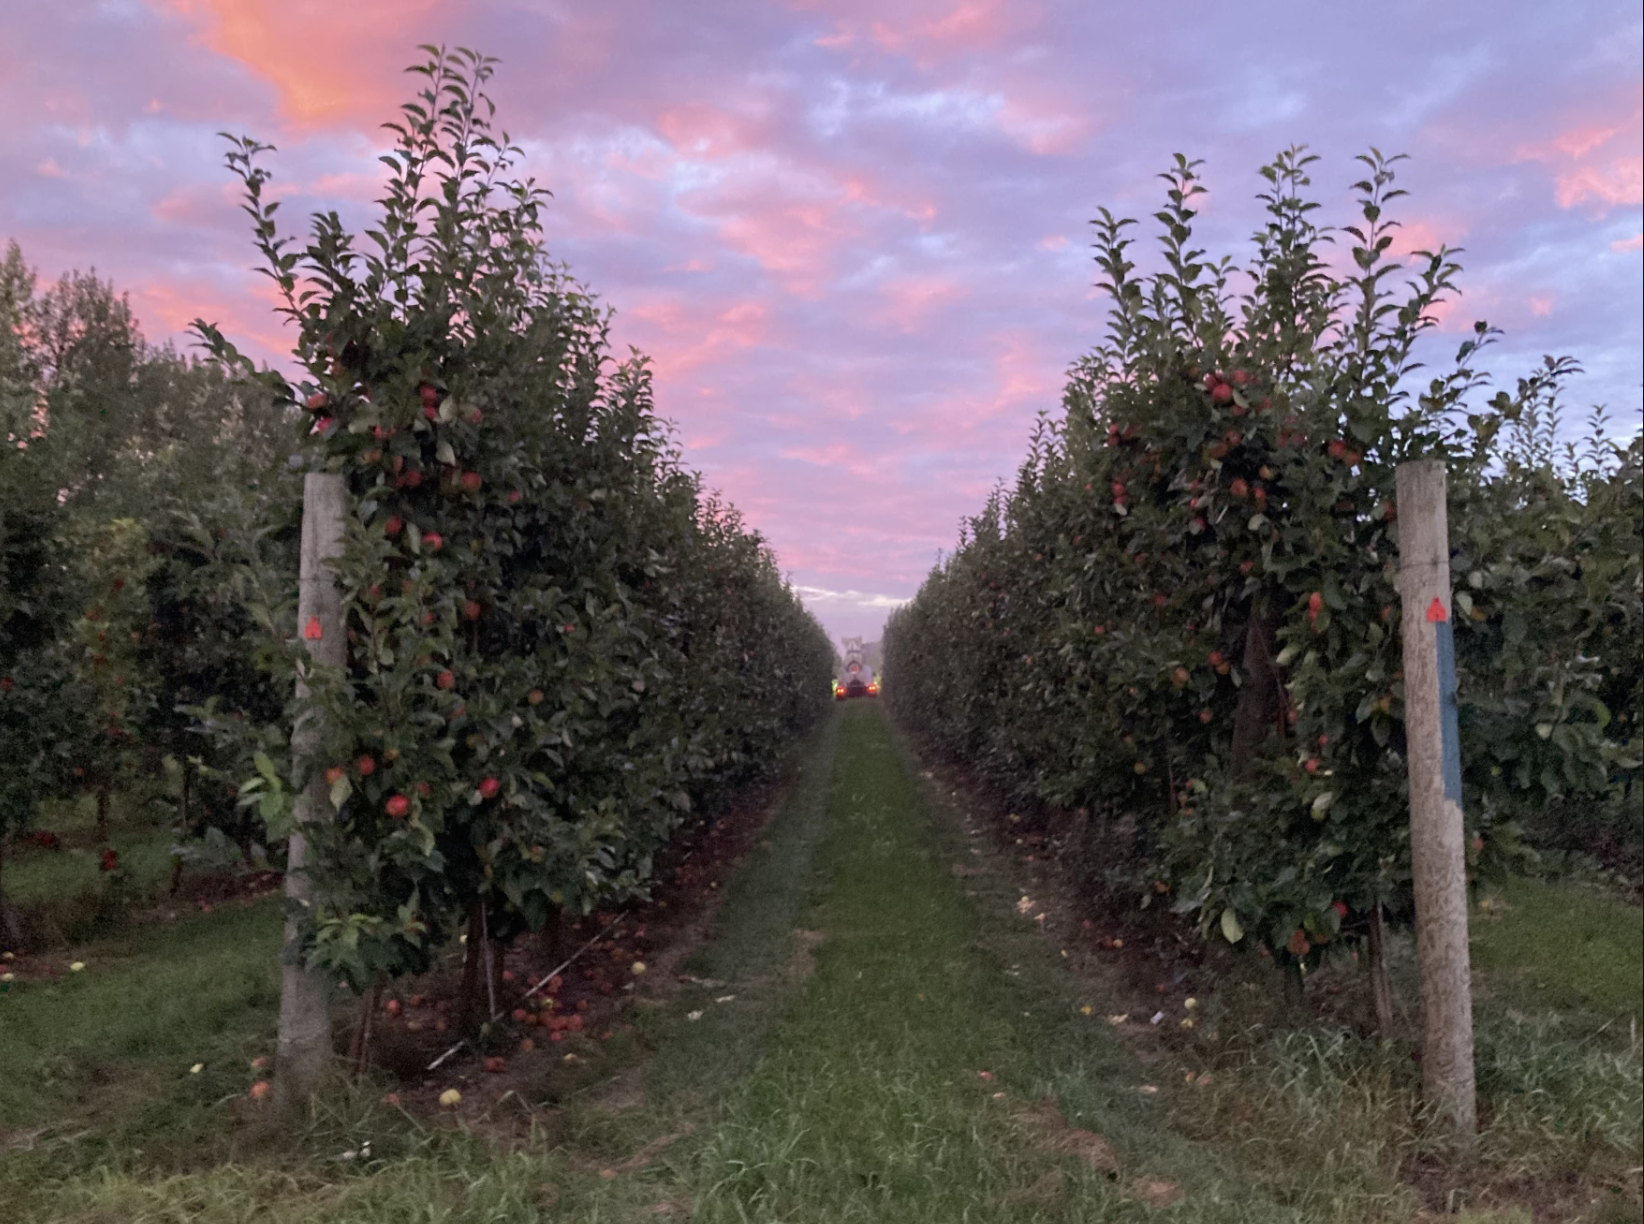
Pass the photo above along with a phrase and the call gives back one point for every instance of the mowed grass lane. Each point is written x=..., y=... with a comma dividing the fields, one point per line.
x=919, y=1076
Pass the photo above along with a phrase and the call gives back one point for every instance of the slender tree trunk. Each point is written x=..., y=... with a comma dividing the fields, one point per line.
x=185, y=814
x=359, y=1047
x=304, y=1052
x=468, y=994
x=1381, y=990
x=186, y=822
x=493, y=973
x=1295, y=986
x=11, y=925
x=103, y=792
x=1261, y=699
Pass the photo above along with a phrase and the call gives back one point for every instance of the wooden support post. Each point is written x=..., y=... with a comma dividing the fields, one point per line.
x=1437, y=837
x=304, y=1053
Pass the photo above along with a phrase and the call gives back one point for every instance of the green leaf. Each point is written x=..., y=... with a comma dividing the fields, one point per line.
x=341, y=789
x=1232, y=929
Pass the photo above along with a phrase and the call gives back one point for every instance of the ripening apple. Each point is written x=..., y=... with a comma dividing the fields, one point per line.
x=367, y=766
x=316, y=402
x=535, y=696
x=335, y=775
x=445, y=680
x=1311, y=765
x=398, y=806
x=471, y=482
x=433, y=541
x=489, y=787
x=1205, y=716
x=471, y=609
x=393, y=1007
x=393, y=526
x=413, y=478
x=1221, y=393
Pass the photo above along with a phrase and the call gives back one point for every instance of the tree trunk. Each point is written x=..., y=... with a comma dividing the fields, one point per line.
x=304, y=1052
x=493, y=974
x=1381, y=990
x=184, y=814
x=468, y=994
x=11, y=925
x=1261, y=698
x=359, y=1047
x=103, y=790
x=185, y=824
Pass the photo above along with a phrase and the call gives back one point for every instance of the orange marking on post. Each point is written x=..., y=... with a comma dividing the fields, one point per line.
x=1436, y=613
x=313, y=632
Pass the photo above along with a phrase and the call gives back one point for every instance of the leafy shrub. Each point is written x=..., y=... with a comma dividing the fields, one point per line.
x=1183, y=620
x=557, y=644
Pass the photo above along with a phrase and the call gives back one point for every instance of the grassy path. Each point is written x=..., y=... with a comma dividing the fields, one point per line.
x=938, y=1066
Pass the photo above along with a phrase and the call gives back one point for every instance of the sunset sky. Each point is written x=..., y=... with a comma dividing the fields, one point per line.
x=853, y=235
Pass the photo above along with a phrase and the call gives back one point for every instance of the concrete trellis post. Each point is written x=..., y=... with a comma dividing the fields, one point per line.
x=1437, y=835
x=304, y=1051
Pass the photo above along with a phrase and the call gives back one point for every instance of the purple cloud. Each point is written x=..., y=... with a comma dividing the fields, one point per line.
x=853, y=235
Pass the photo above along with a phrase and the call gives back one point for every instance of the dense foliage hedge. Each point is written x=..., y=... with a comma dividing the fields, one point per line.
x=1181, y=623
x=559, y=645
x=130, y=478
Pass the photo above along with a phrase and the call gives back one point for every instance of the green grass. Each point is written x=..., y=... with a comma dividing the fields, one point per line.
x=852, y=1094
x=1561, y=946
x=114, y=1127
x=62, y=895
x=111, y=1047
x=871, y=1104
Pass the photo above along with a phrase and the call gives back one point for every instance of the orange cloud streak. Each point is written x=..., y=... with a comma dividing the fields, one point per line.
x=329, y=62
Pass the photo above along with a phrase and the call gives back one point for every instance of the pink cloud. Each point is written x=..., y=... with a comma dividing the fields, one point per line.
x=680, y=335
x=926, y=29
x=1619, y=181
x=197, y=204
x=701, y=131
x=329, y=62
x=908, y=300
x=1636, y=242
x=1595, y=162
x=789, y=228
